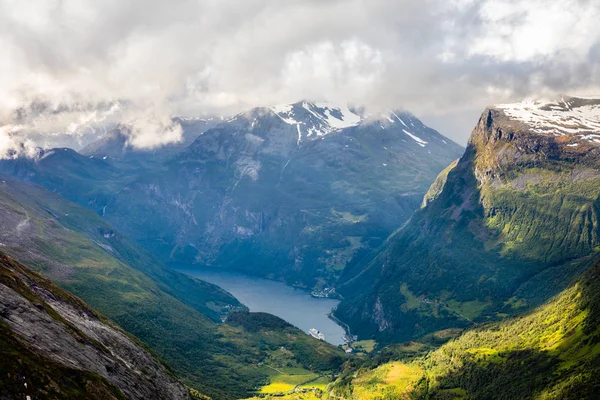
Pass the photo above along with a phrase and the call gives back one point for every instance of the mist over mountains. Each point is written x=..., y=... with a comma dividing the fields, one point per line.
x=420, y=243
x=300, y=200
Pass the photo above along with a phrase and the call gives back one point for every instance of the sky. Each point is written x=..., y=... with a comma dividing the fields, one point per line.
x=70, y=68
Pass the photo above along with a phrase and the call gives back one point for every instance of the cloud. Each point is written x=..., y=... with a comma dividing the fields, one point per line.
x=72, y=68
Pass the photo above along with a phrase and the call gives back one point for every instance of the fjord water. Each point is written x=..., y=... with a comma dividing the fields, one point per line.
x=293, y=305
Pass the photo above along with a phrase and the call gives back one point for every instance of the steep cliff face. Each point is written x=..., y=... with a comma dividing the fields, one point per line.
x=515, y=222
x=53, y=346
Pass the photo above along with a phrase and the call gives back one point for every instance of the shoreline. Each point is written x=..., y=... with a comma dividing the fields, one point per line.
x=344, y=326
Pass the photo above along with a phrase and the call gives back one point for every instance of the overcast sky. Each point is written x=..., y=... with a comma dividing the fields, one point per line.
x=69, y=66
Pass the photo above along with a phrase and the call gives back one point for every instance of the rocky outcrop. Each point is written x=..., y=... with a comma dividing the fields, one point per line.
x=56, y=347
x=533, y=134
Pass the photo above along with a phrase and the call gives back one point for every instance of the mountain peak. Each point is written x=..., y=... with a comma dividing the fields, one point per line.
x=320, y=118
x=576, y=117
x=308, y=121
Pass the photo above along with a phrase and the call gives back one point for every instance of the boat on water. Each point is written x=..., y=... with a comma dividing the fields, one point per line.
x=316, y=334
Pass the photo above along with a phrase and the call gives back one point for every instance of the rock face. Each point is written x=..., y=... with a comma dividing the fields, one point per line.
x=175, y=315
x=56, y=347
x=510, y=225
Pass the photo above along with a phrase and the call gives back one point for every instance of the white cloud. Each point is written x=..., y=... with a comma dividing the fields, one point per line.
x=343, y=72
x=150, y=130
x=537, y=29
x=66, y=63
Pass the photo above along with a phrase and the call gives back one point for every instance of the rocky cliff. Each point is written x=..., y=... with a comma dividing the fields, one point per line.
x=514, y=222
x=53, y=346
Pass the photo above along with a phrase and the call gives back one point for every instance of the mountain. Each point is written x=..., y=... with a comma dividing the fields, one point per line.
x=115, y=143
x=53, y=346
x=177, y=317
x=552, y=352
x=508, y=226
x=293, y=192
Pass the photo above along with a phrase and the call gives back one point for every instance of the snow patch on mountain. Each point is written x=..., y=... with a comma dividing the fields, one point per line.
x=286, y=113
x=399, y=119
x=417, y=139
x=299, y=134
x=568, y=116
x=323, y=118
x=314, y=120
x=282, y=108
x=338, y=116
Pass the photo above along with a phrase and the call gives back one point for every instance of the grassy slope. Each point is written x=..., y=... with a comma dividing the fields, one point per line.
x=509, y=230
x=173, y=314
x=552, y=352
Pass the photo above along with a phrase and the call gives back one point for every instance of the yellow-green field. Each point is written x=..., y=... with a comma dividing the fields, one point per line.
x=366, y=345
x=291, y=396
x=286, y=379
x=320, y=383
x=395, y=380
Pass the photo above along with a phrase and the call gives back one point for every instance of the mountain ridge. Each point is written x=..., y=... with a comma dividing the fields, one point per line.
x=248, y=187
x=516, y=220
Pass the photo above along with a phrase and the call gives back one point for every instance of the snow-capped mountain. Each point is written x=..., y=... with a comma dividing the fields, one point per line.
x=277, y=191
x=294, y=192
x=575, y=121
x=310, y=121
x=313, y=120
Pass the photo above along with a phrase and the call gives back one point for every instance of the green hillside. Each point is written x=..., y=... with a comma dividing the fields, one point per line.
x=509, y=226
x=176, y=316
x=552, y=352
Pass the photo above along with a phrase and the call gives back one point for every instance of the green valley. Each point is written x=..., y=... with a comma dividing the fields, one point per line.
x=300, y=200
x=552, y=352
x=486, y=291
x=176, y=316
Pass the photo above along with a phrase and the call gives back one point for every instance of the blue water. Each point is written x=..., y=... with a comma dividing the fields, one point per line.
x=293, y=305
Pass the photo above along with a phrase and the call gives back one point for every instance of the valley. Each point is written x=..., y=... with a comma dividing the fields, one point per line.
x=248, y=195
x=300, y=200
x=177, y=317
x=228, y=253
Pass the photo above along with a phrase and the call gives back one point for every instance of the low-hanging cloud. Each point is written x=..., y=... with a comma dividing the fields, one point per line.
x=71, y=68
